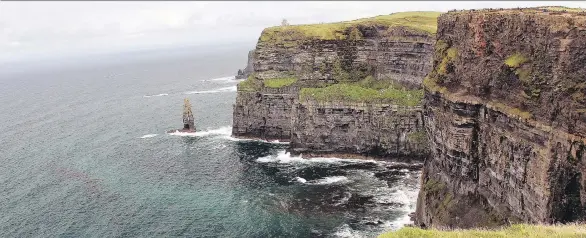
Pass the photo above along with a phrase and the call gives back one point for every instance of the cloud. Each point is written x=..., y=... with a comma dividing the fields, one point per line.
x=29, y=28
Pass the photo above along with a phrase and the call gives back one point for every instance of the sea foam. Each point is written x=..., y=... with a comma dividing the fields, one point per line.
x=157, y=95
x=219, y=90
x=225, y=131
x=148, y=136
x=284, y=157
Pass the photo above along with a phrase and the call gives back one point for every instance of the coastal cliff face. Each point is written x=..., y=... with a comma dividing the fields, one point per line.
x=505, y=113
x=375, y=54
x=363, y=128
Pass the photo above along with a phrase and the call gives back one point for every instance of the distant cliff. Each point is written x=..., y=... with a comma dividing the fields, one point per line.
x=505, y=111
x=351, y=87
x=243, y=74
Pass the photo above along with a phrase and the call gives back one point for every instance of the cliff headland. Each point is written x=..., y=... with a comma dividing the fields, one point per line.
x=500, y=119
x=347, y=87
x=505, y=112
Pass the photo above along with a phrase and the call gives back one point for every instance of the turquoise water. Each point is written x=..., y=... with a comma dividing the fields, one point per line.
x=84, y=153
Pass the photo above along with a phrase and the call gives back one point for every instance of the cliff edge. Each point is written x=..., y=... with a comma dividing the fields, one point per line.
x=505, y=112
x=346, y=87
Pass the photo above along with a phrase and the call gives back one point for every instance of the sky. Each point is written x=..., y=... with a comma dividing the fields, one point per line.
x=59, y=29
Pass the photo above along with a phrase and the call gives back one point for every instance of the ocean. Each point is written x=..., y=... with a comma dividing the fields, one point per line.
x=84, y=153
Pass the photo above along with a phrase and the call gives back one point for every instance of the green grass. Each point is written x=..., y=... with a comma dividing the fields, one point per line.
x=251, y=84
x=431, y=85
x=279, y=82
x=561, y=8
x=512, y=110
x=419, y=137
x=290, y=35
x=516, y=60
x=449, y=58
x=520, y=230
x=360, y=92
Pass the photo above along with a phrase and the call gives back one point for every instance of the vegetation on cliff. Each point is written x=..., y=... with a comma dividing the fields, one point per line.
x=529, y=231
x=424, y=22
x=366, y=90
x=279, y=82
x=251, y=84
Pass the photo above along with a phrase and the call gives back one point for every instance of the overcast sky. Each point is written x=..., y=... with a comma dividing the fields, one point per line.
x=60, y=28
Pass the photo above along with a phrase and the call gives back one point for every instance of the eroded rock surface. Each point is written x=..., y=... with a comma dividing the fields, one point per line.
x=370, y=129
x=505, y=112
x=387, y=52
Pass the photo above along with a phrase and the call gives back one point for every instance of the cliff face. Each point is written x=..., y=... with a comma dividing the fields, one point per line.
x=264, y=114
x=363, y=128
x=505, y=112
x=392, y=51
x=243, y=74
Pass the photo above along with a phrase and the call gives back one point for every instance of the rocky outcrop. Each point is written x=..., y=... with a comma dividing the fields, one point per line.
x=505, y=112
x=242, y=74
x=390, y=49
x=370, y=129
x=264, y=114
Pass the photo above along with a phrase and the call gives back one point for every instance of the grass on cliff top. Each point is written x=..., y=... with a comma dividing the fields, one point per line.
x=541, y=9
x=250, y=84
x=515, y=60
x=421, y=21
x=279, y=82
x=367, y=91
x=520, y=230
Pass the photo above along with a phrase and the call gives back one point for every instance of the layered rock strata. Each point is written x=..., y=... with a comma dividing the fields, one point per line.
x=363, y=128
x=395, y=48
x=505, y=112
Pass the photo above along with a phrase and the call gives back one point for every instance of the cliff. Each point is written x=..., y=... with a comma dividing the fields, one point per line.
x=243, y=74
x=505, y=112
x=347, y=74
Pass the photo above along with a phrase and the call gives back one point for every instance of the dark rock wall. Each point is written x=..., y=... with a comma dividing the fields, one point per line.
x=364, y=128
x=507, y=136
x=403, y=56
x=265, y=114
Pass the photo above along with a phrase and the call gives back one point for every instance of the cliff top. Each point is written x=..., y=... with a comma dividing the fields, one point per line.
x=546, y=10
x=423, y=22
x=528, y=63
x=520, y=230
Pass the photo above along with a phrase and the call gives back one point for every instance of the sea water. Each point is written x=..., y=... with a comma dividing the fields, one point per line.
x=84, y=153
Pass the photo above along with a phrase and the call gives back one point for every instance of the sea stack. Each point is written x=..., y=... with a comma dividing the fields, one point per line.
x=188, y=123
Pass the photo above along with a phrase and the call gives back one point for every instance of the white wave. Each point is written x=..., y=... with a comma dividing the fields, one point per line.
x=148, y=136
x=219, y=90
x=284, y=157
x=158, y=95
x=226, y=130
x=330, y=180
x=347, y=232
x=224, y=79
x=301, y=180
x=257, y=140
